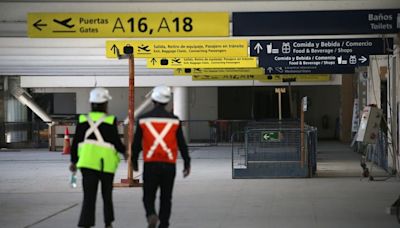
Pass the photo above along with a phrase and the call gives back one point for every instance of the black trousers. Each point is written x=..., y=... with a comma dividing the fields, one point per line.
x=158, y=175
x=90, y=181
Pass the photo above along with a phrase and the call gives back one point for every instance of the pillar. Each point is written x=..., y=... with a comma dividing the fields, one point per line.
x=16, y=112
x=2, y=115
x=346, y=101
x=181, y=108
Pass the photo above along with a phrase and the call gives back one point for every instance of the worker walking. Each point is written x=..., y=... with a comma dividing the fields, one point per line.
x=159, y=135
x=94, y=151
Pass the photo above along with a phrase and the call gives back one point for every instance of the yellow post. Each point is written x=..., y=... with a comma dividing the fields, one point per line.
x=279, y=91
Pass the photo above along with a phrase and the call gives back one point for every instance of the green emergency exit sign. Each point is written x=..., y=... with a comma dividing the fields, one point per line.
x=270, y=136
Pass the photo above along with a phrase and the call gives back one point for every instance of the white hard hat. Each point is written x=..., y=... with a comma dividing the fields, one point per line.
x=161, y=94
x=99, y=95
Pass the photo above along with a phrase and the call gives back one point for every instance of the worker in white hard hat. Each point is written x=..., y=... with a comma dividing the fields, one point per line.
x=159, y=135
x=94, y=151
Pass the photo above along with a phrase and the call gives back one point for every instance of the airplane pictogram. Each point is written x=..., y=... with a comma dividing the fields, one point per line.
x=176, y=60
x=64, y=22
x=144, y=48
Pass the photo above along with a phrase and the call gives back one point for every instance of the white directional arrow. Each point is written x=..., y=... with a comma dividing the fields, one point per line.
x=362, y=59
x=258, y=48
x=270, y=69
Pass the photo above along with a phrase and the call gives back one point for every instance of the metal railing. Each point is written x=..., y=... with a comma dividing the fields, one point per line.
x=38, y=134
x=274, y=149
x=378, y=152
x=25, y=134
x=57, y=133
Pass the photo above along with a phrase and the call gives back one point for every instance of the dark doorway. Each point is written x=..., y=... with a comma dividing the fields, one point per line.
x=251, y=103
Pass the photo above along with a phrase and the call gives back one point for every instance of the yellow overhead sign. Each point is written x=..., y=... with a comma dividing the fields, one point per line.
x=297, y=77
x=218, y=71
x=177, y=48
x=227, y=77
x=219, y=62
x=81, y=25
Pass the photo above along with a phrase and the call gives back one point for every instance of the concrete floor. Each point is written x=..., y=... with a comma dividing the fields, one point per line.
x=34, y=192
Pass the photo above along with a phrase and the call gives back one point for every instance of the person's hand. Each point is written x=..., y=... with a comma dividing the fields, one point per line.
x=72, y=167
x=135, y=166
x=186, y=172
x=125, y=156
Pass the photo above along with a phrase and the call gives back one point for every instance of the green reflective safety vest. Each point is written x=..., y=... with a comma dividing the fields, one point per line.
x=97, y=154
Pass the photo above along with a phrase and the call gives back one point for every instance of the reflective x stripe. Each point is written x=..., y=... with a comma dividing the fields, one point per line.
x=159, y=138
x=94, y=129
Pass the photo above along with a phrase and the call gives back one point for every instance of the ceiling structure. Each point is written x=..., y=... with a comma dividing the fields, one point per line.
x=85, y=57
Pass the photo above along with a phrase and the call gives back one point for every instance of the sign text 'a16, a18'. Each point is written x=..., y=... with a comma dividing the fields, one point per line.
x=201, y=62
x=81, y=25
x=176, y=48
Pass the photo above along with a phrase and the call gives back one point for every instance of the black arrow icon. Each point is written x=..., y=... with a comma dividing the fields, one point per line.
x=37, y=25
x=115, y=49
x=153, y=60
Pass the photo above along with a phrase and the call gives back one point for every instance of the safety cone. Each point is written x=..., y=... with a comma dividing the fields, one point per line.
x=67, y=144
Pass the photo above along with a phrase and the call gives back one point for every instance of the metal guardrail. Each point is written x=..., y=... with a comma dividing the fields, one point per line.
x=57, y=133
x=28, y=135
x=376, y=153
x=24, y=134
x=40, y=134
x=208, y=132
x=31, y=135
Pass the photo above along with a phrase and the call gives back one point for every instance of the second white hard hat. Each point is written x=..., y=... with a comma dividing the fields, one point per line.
x=99, y=95
x=161, y=94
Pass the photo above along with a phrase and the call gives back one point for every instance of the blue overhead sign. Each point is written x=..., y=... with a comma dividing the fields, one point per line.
x=316, y=22
x=330, y=47
x=317, y=60
x=304, y=67
x=335, y=56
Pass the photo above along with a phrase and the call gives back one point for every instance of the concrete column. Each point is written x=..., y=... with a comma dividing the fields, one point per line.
x=2, y=115
x=16, y=112
x=397, y=105
x=392, y=111
x=346, y=101
x=181, y=108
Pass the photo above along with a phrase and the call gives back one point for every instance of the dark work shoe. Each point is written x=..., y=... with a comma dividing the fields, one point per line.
x=152, y=220
x=109, y=226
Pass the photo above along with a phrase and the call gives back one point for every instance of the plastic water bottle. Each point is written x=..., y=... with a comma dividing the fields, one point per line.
x=73, y=180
